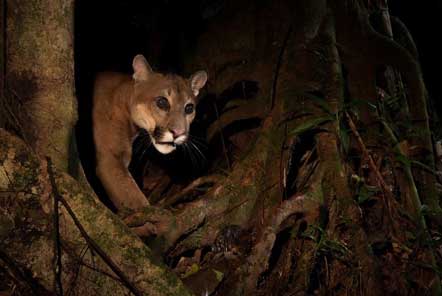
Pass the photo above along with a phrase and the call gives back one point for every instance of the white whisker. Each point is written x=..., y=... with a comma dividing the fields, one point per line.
x=199, y=151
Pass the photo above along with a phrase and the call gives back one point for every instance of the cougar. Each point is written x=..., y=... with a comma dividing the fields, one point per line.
x=163, y=105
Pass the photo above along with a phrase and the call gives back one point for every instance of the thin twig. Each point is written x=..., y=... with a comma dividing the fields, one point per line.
x=58, y=268
x=229, y=166
x=278, y=66
x=18, y=124
x=223, y=142
x=283, y=172
x=92, y=244
x=80, y=261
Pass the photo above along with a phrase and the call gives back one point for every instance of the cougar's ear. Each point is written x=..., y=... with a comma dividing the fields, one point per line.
x=141, y=67
x=197, y=81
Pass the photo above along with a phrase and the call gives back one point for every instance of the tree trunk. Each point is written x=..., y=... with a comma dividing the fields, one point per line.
x=40, y=76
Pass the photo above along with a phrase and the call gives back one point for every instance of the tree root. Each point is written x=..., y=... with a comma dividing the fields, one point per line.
x=174, y=224
x=172, y=200
x=257, y=262
x=403, y=36
x=250, y=111
x=29, y=242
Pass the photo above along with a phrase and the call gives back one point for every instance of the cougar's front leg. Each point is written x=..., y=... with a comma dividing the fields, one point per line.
x=119, y=183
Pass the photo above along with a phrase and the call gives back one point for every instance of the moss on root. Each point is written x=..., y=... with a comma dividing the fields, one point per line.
x=31, y=243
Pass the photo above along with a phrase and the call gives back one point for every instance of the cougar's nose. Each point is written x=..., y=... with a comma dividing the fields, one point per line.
x=176, y=132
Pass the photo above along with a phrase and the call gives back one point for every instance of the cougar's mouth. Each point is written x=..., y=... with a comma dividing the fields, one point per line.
x=162, y=141
x=164, y=147
x=167, y=143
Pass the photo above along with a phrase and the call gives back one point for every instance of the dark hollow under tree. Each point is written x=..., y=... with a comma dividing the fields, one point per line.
x=313, y=169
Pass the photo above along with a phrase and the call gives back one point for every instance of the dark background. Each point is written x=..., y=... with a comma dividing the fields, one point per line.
x=424, y=23
x=109, y=33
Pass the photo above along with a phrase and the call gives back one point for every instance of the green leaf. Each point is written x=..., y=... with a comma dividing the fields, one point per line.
x=392, y=100
x=317, y=100
x=311, y=124
x=423, y=166
x=344, y=137
x=365, y=193
x=194, y=268
x=235, y=103
x=219, y=275
x=357, y=102
x=321, y=102
x=403, y=159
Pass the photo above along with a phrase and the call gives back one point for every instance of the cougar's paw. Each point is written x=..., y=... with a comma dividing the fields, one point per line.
x=149, y=221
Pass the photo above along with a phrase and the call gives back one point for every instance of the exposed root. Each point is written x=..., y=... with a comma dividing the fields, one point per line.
x=149, y=221
x=257, y=262
x=250, y=111
x=173, y=225
x=403, y=36
x=180, y=196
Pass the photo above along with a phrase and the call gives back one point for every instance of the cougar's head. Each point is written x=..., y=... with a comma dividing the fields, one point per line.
x=164, y=105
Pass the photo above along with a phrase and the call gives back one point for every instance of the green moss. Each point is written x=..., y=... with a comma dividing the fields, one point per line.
x=135, y=255
x=192, y=270
x=316, y=194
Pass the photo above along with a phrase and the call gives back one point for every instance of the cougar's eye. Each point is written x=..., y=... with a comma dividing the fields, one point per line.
x=163, y=103
x=189, y=108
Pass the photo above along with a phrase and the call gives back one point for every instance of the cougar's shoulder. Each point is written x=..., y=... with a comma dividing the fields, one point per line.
x=107, y=85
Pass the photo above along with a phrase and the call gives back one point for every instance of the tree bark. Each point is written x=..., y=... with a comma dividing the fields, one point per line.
x=40, y=76
x=28, y=233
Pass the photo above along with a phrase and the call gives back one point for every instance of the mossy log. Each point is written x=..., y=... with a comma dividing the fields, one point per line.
x=27, y=232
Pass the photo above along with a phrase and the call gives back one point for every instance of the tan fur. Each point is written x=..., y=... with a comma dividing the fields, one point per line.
x=123, y=105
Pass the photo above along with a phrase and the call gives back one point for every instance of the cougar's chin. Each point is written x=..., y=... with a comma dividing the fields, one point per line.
x=164, y=144
x=164, y=148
